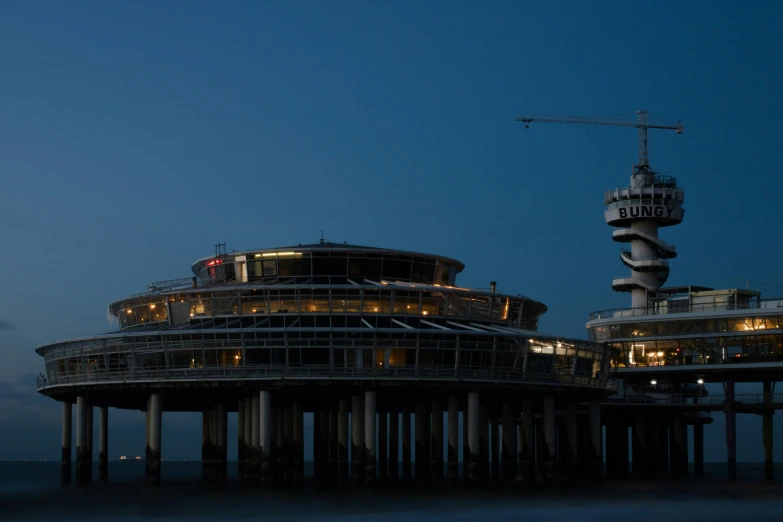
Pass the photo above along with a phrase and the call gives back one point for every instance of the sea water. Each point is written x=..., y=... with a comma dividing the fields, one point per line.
x=31, y=491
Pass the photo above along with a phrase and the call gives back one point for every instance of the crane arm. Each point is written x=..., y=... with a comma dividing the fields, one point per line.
x=641, y=124
x=597, y=121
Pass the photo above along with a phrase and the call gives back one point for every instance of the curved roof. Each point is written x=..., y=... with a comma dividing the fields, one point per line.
x=331, y=247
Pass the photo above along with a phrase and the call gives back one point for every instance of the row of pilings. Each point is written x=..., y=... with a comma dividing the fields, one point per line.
x=364, y=438
x=357, y=441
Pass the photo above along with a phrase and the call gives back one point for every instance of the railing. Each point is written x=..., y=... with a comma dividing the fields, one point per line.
x=660, y=243
x=719, y=304
x=691, y=399
x=321, y=372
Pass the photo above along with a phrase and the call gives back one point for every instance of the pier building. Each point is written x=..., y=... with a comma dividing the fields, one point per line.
x=673, y=340
x=389, y=354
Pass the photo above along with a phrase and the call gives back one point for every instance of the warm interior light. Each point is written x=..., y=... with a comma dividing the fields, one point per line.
x=257, y=255
x=152, y=306
x=424, y=312
x=660, y=354
x=236, y=357
x=129, y=311
x=268, y=254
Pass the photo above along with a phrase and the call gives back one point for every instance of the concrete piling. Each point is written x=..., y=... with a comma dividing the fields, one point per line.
x=342, y=437
x=357, y=439
x=474, y=433
x=155, y=419
x=383, y=445
x=394, y=444
x=453, y=439
x=262, y=437
x=436, y=441
x=103, y=443
x=370, y=452
x=83, y=458
x=67, y=430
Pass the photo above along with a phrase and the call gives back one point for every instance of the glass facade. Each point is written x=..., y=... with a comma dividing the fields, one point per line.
x=486, y=356
x=697, y=340
x=331, y=267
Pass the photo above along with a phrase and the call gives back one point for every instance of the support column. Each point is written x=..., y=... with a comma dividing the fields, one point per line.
x=206, y=445
x=255, y=437
x=406, y=444
x=82, y=462
x=528, y=442
x=453, y=420
x=572, y=434
x=465, y=446
x=155, y=429
x=436, y=441
x=679, y=447
x=422, y=455
x=622, y=440
x=262, y=436
x=769, y=472
x=508, y=452
x=103, y=443
x=731, y=429
x=370, y=453
x=320, y=450
x=298, y=439
x=483, y=443
x=89, y=434
x=342, y=437
x=394, y=444
x=221, y=452
x=383, y=446
x=638, y=448
x=594, y=429
x=561, y=436
x=65, y=466
x=494, y=446
x=334, y=444
x=287, y=475
x=278, y=442
x=357, y=439
x=241, y=440
x=248, y=436
x=550, y=465
x=698, y=449
x=474, y=434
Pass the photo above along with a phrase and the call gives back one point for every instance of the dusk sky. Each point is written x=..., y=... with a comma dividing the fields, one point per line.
x=136, y=135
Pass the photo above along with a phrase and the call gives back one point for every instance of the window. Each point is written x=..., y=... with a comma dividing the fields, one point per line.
x=270, y=268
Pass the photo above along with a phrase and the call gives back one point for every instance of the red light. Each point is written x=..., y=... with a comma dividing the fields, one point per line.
x=214, y=262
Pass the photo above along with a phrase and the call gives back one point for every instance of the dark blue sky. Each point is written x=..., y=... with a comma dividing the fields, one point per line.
x=136, y=135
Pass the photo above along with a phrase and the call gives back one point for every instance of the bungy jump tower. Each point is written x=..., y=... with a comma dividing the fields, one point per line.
x=650, y=202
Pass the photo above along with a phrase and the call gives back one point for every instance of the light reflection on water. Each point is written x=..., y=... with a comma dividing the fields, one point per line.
x=30, y=491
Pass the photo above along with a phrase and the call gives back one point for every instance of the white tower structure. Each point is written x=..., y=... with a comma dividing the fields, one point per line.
x=638, y=211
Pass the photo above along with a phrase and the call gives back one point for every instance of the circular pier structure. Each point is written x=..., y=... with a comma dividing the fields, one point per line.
x=382, y=338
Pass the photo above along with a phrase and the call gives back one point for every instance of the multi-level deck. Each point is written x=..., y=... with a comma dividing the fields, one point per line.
x=273, y=333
